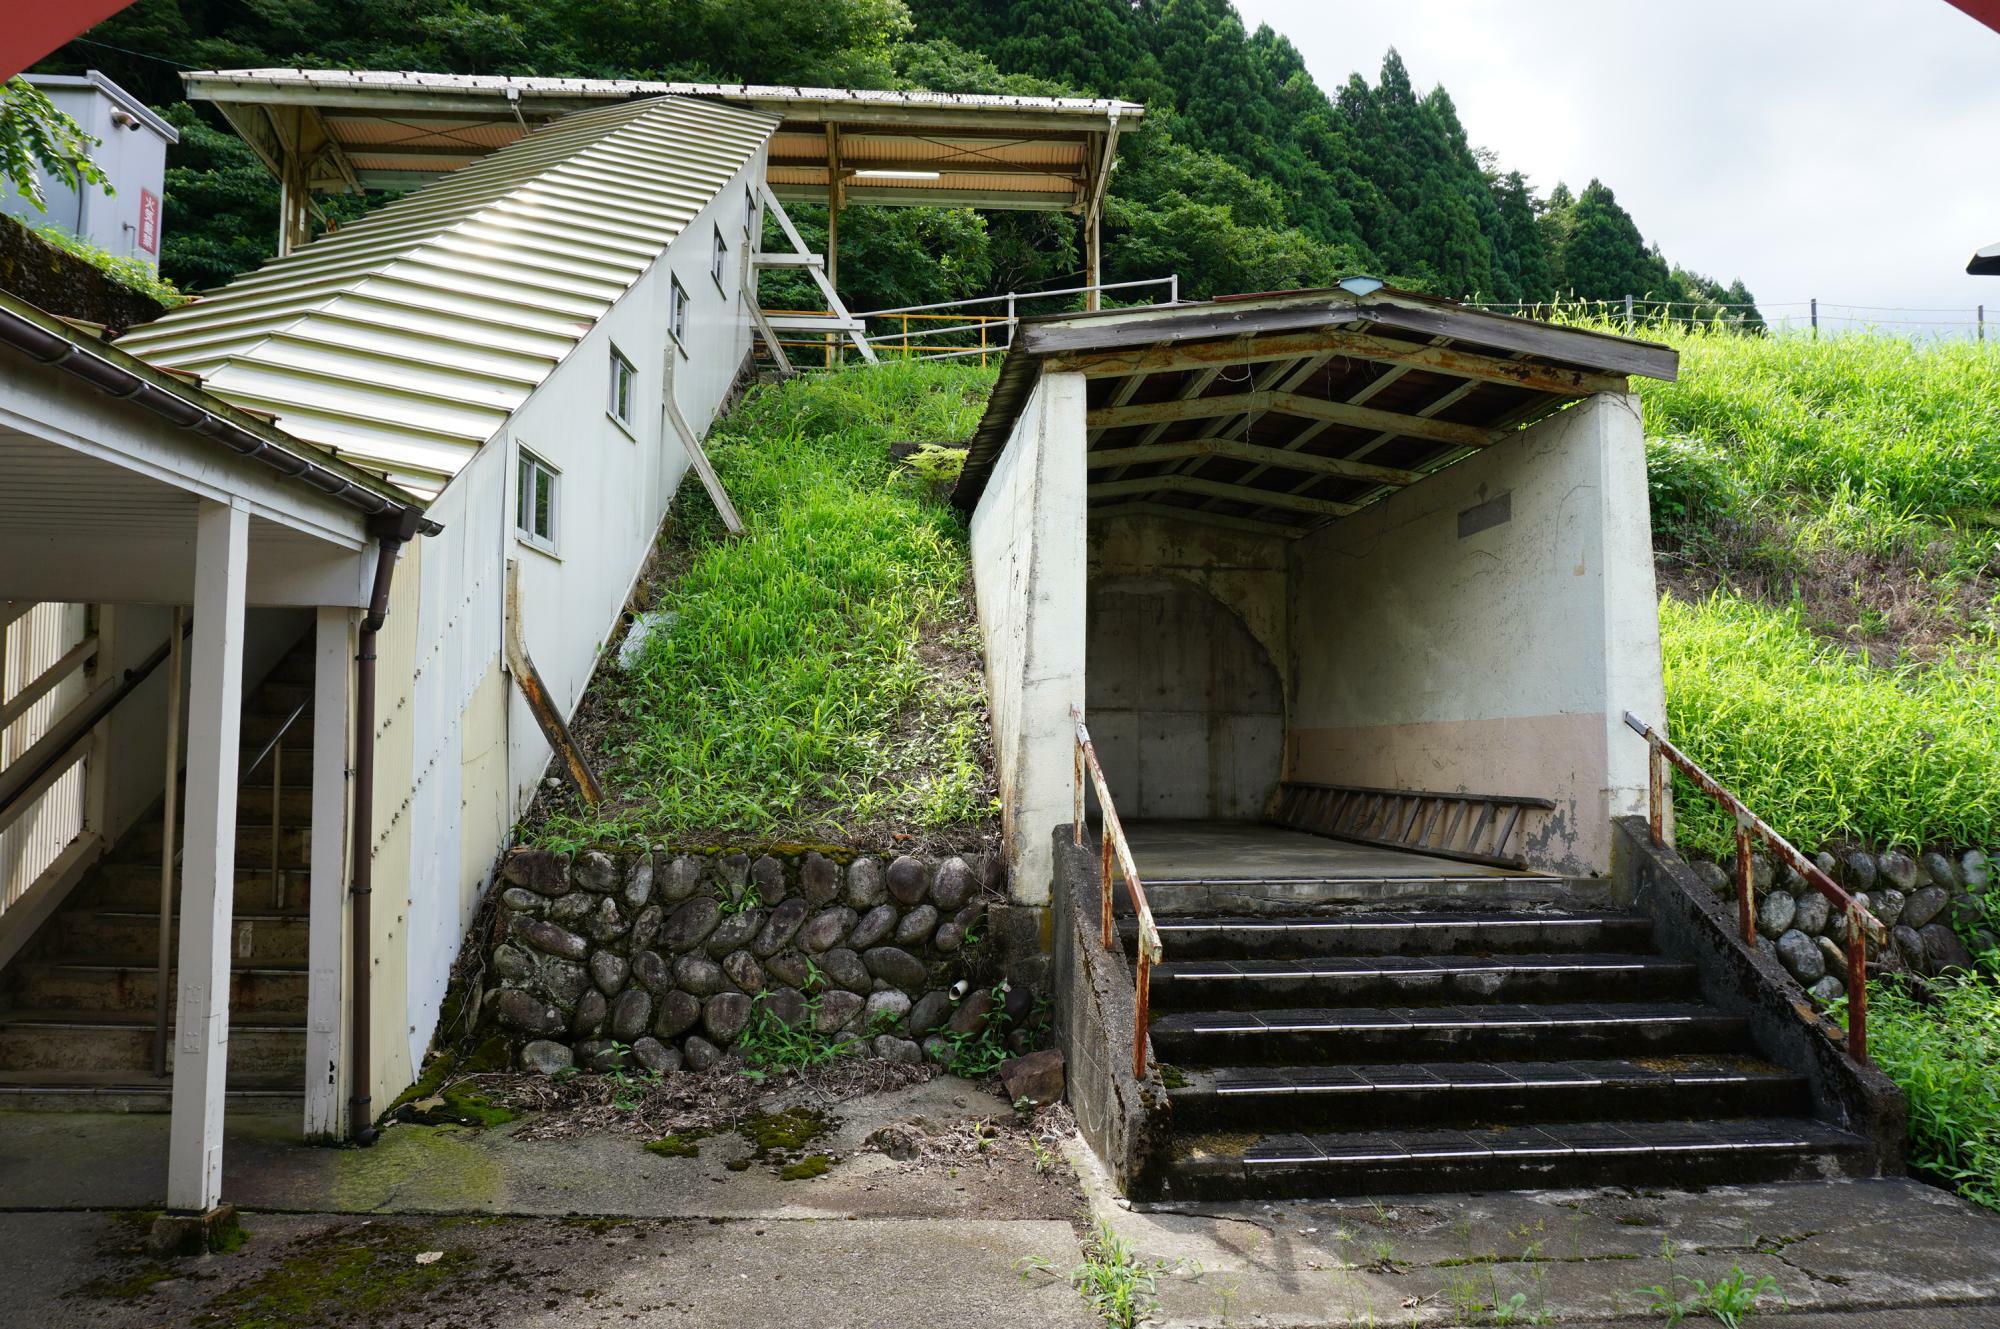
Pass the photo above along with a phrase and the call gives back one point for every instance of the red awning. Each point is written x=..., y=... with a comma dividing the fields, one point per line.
x=36, y=27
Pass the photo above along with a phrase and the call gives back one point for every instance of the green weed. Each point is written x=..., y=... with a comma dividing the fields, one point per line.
x=768, y=1044
x=1119, y=1287
x=799, y=687
x=1821, y=743
x=1942, y=1052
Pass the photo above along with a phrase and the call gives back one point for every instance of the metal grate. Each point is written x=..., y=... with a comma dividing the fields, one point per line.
x=1474, y=828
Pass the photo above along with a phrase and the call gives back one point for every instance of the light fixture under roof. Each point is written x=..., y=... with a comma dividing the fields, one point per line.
x=1361, y=285
x=896, y=175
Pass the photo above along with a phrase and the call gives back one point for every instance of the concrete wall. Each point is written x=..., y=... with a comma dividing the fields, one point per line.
x=1187, y=625
x=1028, y=568
x=1484, y=631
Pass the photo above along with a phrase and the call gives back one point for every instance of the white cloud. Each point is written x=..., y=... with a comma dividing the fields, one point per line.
x=1845, y=149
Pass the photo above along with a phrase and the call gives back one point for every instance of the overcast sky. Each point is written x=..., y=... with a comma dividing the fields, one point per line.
x=1845, y=149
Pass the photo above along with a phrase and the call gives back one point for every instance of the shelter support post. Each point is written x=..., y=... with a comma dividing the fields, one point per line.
x=215, y=709
x=333, y=667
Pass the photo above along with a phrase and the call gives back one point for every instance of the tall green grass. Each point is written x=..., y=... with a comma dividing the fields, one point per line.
x=1943, y=1053
x=796, y=690
x=1902, y=427
x=1822, y=744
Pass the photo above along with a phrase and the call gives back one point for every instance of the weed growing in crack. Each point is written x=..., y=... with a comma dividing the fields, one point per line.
x=1120, y=1288
x=1730, y=1299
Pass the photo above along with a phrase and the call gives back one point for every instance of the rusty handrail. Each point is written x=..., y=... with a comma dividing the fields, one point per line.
x=1112, y=844
x=1862, y=925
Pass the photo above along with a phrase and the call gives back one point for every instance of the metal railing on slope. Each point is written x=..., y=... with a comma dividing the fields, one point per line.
x=1112, y=847
x=1862, y=926
x=945, y=330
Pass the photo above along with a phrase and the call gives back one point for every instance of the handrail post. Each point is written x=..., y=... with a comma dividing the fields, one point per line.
x=1656, y=779
x=277, y=820
x=1857, y=985
x=1142, y=1000
x=1076, y=827
x=1104, y=881
x=163, y=984
x=1745, y=913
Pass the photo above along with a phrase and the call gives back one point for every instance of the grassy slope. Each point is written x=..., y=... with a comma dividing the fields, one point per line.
x=820, y=680
x=1825, y=514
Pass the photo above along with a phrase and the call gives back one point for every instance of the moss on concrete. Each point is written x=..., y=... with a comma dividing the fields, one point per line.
x=366, y=1275
x=681, y=1144
x=812, y=1165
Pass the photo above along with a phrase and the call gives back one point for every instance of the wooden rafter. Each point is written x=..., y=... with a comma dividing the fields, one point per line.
x=1248, y=525
x=1235, y=450
x=1288, y=403
x=1346, y=344
x=1187, y=484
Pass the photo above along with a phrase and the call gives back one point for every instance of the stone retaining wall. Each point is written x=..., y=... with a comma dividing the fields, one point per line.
x=1924, y=900
x=659, y=960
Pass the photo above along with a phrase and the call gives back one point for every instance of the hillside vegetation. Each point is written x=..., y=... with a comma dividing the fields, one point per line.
x=1825, y=520
x=819, y=679
x=1246, y=175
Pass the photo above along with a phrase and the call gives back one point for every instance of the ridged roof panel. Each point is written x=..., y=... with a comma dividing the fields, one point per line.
x=404, y=341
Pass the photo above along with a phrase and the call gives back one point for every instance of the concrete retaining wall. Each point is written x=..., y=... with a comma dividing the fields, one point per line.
x=1028, y=575
x=1485, y=630
x=1692, y=924
x=1123, y=1119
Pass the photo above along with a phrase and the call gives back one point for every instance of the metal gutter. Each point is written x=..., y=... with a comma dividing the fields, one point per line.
x=117, y=374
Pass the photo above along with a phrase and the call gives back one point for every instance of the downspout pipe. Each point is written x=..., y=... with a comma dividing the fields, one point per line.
x=392, y=532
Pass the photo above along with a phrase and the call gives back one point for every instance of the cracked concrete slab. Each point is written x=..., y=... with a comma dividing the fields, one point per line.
x=83, y=1269
x=1575, y=1256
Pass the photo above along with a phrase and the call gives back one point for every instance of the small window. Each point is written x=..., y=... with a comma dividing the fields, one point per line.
x=624, y=384
x=677, y=312
x=718, y=261
x=751, y=216
x=535, y=501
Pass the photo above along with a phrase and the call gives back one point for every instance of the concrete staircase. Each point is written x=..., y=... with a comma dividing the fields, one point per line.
x=1445, y=1044
x=77, y=1005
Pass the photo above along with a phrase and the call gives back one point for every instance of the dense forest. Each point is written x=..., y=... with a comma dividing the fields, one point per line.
x=1247, y=175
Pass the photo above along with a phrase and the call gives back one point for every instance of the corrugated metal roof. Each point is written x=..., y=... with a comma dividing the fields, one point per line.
x=419, y=81
x=403, y=342
x=394, y=129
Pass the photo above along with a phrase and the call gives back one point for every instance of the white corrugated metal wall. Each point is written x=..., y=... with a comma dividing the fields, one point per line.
x=33, y=643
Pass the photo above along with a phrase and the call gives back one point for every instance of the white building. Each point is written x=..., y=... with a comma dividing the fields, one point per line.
x=459, y=420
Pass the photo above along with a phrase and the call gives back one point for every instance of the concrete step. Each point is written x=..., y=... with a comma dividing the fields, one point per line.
x=1555, y=1031
x=1480, y=1094
x=1389, y=980
x=1605, y=1153
x=1296, y=895
x=130, y=1091
x=136, y=887
x=130, y=984
x=253, y=843
x=1440, y=932
x=36, y=1041
x=263, y=937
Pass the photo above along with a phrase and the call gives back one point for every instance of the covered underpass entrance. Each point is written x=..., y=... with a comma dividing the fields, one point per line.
x=1335, y=600
x=1355, y=562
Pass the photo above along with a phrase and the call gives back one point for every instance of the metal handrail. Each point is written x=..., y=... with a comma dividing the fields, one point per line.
x=274, y=749
x=1862, y=925
x=1112, y=843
